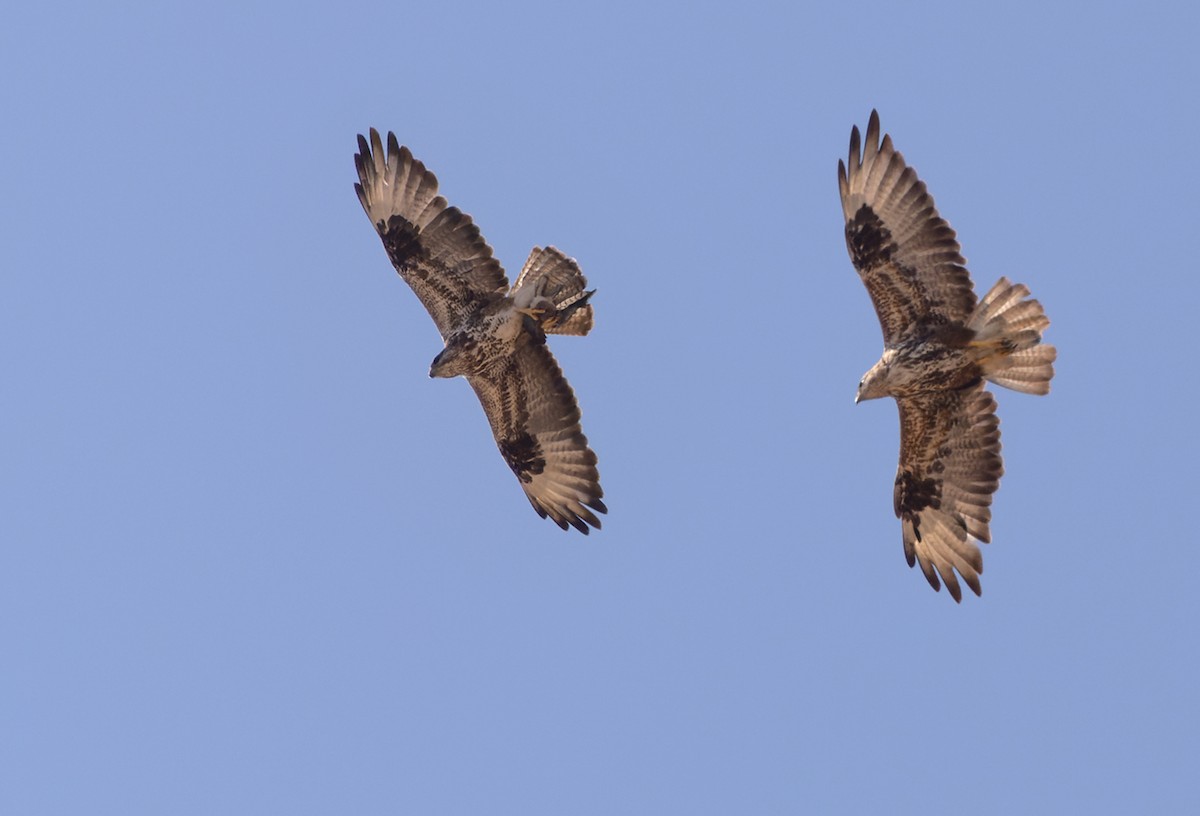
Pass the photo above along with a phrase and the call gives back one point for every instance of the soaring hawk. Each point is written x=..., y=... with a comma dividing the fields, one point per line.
x=940, y=345
x=494, y=336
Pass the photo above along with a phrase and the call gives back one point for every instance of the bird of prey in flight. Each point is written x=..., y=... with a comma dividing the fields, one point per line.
x=495, y=336
x=940, y=346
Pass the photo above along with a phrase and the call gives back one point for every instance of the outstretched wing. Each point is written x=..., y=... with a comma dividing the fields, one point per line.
x=535, y=420
x=906, y=254
x=437, y=249
x=950, y=466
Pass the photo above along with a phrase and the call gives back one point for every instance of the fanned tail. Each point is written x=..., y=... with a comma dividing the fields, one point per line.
x=553, y=288
x=1008, y=339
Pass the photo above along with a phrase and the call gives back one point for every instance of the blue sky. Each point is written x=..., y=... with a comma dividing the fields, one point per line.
x=255, y=561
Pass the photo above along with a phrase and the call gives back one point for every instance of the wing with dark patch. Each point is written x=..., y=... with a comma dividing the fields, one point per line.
x=535, y=420
x=553, y=283
x=437, y=249
x=950, y=466
x=906, y=254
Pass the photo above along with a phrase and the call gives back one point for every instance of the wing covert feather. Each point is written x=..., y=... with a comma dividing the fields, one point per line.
x=906, y=254
x=950, y=466
x=535, y=420
x=436, y=248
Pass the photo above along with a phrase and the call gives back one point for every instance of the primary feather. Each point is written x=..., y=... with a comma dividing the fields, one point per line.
x=494, y=336
x=940, y=345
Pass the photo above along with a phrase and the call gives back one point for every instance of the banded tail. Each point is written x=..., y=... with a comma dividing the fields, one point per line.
x=553, y=287
x=1008, y=338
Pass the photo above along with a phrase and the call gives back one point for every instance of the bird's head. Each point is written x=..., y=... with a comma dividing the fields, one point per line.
x=874, y=383
x=455, y=359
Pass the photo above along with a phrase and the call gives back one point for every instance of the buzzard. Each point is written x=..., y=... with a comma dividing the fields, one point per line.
x=940, y=345
x=494, y=336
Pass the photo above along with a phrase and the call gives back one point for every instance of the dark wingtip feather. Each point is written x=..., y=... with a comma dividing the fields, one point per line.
x=931, y=576
x=973, y=583
x=975, y=557
x=953, y=588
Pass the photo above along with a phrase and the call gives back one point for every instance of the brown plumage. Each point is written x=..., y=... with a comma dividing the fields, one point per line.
x=940, y=345
x=494, y=336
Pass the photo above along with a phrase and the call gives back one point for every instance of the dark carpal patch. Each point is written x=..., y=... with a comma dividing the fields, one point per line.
x=400, y=239
x=411, y=257
x=869, y=241
x=913, y=495
x=524, y=456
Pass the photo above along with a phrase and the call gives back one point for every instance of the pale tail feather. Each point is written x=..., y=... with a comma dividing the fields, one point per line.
x=1008, y=335
x=553, y=283
x=1029, y=370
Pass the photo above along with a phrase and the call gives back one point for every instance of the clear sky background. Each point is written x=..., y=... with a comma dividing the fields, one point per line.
x=252, y=560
